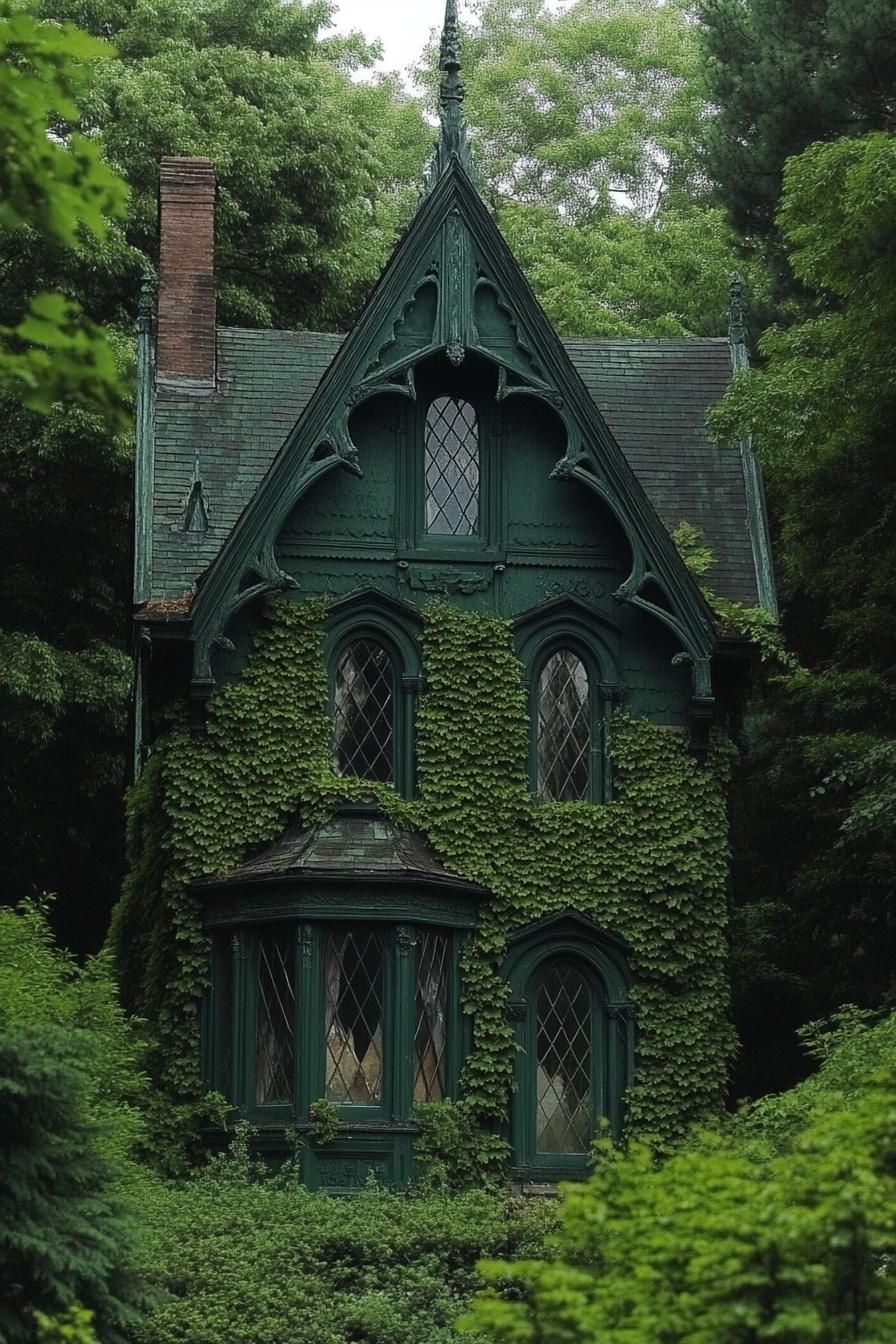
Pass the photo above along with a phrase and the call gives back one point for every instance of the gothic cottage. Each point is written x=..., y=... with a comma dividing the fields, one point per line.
x=432, y=723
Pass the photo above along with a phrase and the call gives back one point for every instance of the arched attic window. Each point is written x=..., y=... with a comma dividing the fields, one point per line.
x=451, y=468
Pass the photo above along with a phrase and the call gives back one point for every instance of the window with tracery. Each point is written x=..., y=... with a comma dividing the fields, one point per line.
x=431, y=1016
x=354, y=1026
x=274, y=1019
x=363, y=1013
x=451, y=468
x=563, y=729
x=364, y=712
x=564, y=1119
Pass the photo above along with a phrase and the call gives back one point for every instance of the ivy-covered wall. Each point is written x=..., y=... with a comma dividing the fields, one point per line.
x=649, y=867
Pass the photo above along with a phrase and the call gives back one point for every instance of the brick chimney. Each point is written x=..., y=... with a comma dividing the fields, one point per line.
x=185, y=341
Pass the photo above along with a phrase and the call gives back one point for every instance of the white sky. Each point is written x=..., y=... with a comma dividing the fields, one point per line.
x=402, y=26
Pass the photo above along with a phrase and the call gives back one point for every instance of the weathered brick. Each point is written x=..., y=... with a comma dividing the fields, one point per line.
x=185, y=344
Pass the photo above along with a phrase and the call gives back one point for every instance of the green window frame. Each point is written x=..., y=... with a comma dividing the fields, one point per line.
x=370, y=618
x=547, y=1082
x=568, y=627
x=237, y=1058
x=564, y=652
x=474, y=386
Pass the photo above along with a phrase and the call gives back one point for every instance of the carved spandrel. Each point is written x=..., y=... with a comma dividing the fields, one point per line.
x=350, y=1173
x=447, y=581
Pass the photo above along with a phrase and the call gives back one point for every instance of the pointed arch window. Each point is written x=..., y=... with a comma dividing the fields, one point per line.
x=564, y=1114
x=563, y=729
x=364, y=712
x=451, y=468
x=569, y=985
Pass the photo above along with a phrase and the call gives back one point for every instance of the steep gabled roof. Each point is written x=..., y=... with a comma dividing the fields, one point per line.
x=454, y=248
x=452, y=288
x=653, y=394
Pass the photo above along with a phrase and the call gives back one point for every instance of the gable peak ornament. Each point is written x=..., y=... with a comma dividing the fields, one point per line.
x=453, y=133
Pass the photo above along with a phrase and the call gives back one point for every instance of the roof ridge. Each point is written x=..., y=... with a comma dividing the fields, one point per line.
x=566, y=340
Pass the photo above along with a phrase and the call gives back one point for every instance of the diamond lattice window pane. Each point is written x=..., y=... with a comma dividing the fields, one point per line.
x=364, y=712
x=564, y=1120
x=564, y=729
x=354, y=980
x=452, y=468
x=274, y=1020
x=430, y=1033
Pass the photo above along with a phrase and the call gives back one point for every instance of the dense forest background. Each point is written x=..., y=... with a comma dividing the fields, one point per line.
x=635, y=153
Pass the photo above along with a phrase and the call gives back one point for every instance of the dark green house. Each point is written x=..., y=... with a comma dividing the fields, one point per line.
x=432, y=722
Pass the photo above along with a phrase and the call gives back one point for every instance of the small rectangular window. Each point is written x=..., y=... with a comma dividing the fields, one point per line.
x=275, y=1019
x=430, y=1033
x=451, y=468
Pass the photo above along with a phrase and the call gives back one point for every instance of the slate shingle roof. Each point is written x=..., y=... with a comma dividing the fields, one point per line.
x=354, y=845
x=654, y=395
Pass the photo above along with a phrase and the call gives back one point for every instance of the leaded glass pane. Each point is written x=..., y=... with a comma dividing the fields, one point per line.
x=452, y=468
x=354, y=980
x=430, y=1033
x=564, y=729
x=275, y=1019
x=364, y=712
x=563, y=1120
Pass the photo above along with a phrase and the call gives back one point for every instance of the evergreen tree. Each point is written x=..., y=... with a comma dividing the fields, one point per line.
x=69, y=1078
x=816, y=856
x=784, y=75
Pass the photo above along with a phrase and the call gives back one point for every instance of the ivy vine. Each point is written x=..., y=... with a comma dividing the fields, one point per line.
x=650, y=866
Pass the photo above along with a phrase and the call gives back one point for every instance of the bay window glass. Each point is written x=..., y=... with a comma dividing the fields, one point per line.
x=365, y=1015
x=431, y=1016
x=275, y=1010
x=354, y=1024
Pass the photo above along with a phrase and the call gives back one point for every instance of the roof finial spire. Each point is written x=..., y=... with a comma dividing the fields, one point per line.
x=453, y=139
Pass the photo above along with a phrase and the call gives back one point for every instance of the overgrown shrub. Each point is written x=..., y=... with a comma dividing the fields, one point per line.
x=782, y=1226
x=69, y=1073
x=240, y=1255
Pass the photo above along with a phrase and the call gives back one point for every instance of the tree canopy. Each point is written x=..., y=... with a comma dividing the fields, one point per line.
x=782, y=76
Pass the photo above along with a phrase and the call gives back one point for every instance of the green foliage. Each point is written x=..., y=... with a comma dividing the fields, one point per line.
x=58, y=188
x=569, y=108
x=452, y=1152
x=847, y=1048
x=735, y=618
x=69, y=1081
x=620, y=274
x=41, y=986
x=586, y=126
x=317, y=173
x=235, y=1255
x=724, y=1241
x=74, y=1326
x=650, y=866
x=818, y=836
x=325, y=1121
x=64, y=675
x=782, y=76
